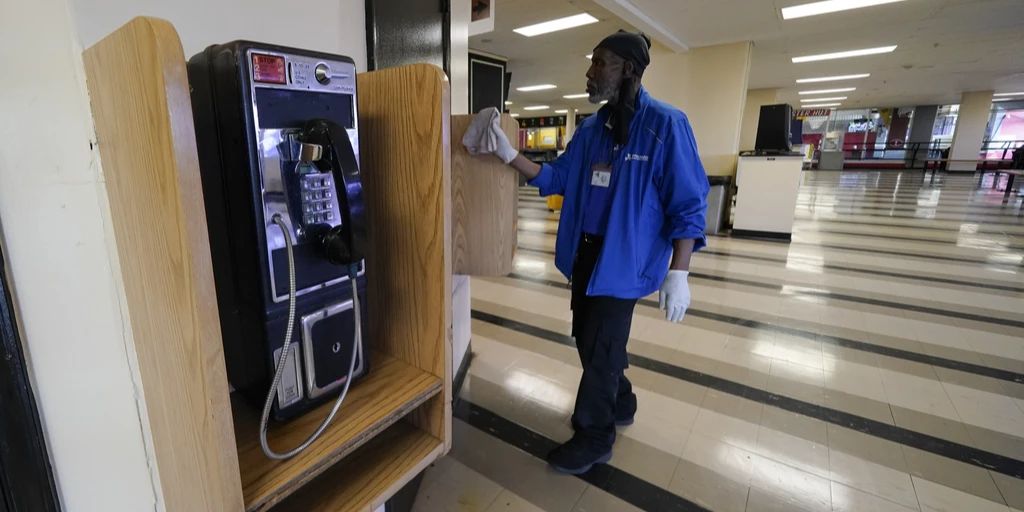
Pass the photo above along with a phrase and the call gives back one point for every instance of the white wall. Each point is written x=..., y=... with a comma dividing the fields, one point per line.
x=56, y=223
x=461, y=321
x=710, y=85
x=336, y=26
x=756, y=98
x=975, y=109
x=53, y=207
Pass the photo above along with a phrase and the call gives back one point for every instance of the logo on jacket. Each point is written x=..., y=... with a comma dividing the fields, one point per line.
x=637, y=158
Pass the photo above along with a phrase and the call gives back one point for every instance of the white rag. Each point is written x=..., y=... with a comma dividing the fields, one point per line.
x=484, y=136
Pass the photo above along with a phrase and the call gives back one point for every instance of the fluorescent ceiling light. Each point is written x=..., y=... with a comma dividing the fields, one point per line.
x=832, y=78
x=1009, y=93
x=833, y=98
x=556, y=25
x=1007, y=99
x=541, y=87
x=603, y=102
x=508, y=102
x=576, y=96
x=590, y=55
x=562, y=111
x=816, y=8
x=816, y=105
x=537, y=107
x=843, y=55
x=515, y=115
x=829, y=91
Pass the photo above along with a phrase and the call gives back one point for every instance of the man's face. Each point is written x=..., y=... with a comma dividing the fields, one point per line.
x=605, y=76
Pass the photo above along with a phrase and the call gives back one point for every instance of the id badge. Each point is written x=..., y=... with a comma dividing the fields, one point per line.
x=601, y=176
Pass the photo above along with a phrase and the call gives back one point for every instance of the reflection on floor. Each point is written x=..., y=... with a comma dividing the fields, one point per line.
x=874, y=364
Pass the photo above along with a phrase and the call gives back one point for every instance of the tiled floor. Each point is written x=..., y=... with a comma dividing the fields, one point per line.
x=876, y=363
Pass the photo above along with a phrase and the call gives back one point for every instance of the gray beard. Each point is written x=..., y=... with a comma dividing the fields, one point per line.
x=611, y=95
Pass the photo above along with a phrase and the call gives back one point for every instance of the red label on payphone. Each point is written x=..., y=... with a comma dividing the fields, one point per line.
x=268, y=68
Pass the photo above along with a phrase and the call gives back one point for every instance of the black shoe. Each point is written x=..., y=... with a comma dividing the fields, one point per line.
x=625, y=418
x=575, y=457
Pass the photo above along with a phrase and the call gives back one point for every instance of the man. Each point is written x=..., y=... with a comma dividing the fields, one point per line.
x=633, y=214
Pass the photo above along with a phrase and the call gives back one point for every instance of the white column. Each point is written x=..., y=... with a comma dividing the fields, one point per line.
x=975, y=108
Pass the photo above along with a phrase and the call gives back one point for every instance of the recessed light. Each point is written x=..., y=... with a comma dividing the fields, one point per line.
x=843, y=55
x=829, y=91
x=832, y=78
x=556, y=25
x=816, y=8
x=590, y=56
x=541, y=87
x=816, y=105
x=833, y=98
x=562, y=111
x=1008, y=93
x=508, y=102
x=537, y=107
x=515, y=115
x=576, y=96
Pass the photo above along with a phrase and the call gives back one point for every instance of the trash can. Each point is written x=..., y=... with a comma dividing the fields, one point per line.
x=717, y=199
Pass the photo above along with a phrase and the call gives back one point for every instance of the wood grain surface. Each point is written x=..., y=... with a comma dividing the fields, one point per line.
x=140, y=103
x=363, y=480
x=404, y=119
x=485, y=195
x=391, y=390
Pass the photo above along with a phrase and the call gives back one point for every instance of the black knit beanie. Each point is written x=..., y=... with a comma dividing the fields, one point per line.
x=632, y=47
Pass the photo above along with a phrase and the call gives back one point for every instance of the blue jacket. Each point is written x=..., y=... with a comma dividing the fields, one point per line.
x=659, y=196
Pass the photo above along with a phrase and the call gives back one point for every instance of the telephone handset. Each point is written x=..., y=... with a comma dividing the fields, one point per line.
x=343, y=244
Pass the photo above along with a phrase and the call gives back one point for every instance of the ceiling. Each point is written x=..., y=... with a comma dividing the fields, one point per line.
x=945, y=46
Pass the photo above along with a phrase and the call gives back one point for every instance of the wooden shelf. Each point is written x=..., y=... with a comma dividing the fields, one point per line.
x=391, y=390
x=366, y=477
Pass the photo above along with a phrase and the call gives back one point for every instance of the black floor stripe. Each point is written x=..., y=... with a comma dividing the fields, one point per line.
x=862, y=346
x=906, y=226
x=869, y=250
x=945, y=448
x=625, y=486
x=808, y=292
x=832, y=266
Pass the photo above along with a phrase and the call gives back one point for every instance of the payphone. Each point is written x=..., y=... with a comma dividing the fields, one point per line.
x=278, y=143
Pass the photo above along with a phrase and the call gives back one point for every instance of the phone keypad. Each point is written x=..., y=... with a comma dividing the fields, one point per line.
x=317, y=198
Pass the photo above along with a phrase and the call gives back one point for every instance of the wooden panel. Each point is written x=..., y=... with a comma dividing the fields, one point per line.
x=140, y=102
x=371, y=475
x=404, y=121
x=484, y=206
x=391, y=390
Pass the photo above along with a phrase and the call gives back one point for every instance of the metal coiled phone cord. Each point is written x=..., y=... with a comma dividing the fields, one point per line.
x=356, y=349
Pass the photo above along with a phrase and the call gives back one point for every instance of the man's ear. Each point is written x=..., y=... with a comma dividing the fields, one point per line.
x=629, y=69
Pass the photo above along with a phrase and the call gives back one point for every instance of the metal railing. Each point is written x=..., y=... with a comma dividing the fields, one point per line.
x=915, y=154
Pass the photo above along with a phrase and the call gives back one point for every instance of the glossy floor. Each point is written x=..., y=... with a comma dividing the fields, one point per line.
x=875, y=363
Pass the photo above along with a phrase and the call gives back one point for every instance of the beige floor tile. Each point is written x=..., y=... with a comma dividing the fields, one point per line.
x=848, y=499
x=760, y=500
x=717, y=456
x=519, y=472
x=460, y=489
x=920, y=422
x=939, y=498
x=870, y=465
x=508, y=501
x=793, y=450
x=710, y=489
x=643, y=461
x=1012, y=489
x=864, y=407
x=996, y=442
x=951, y=473
x=803, y=490
x=596, y=500
x=729, y=418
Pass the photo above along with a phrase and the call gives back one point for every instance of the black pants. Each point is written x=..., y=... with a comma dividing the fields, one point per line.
x=601, y=328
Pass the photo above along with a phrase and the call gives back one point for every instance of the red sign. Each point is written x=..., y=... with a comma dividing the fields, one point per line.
x=268, y=68
x=812, y=112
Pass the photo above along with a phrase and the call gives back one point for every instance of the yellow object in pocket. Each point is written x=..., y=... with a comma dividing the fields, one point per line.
x=554, y=203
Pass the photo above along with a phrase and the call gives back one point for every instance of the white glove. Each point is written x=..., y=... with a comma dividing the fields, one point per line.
x=485, y=135
x=674, y=296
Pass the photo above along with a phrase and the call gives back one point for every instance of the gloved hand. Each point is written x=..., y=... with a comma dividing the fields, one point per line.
x=674, y=297
x=485, y=135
